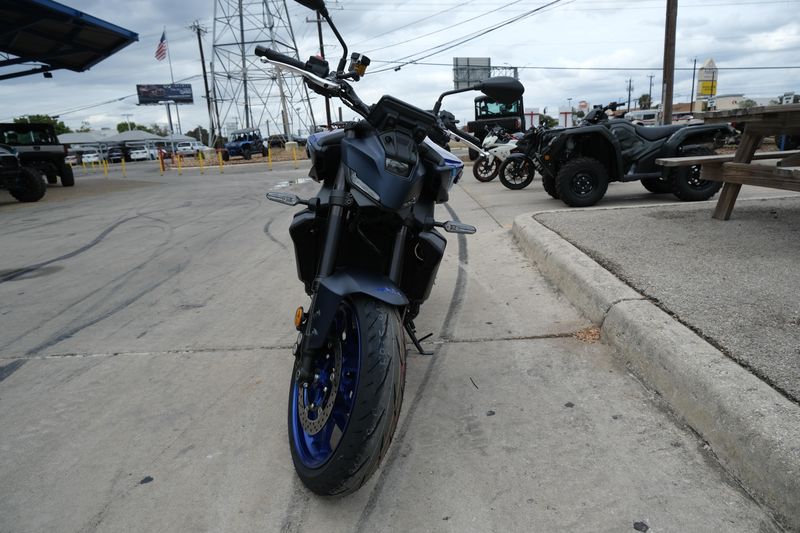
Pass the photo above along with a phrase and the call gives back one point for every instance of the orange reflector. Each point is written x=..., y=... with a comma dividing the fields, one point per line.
x=298, y=317
x=547, y=158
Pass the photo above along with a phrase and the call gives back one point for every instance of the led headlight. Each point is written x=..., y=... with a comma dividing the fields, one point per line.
x=397, y=167
x=363, y=187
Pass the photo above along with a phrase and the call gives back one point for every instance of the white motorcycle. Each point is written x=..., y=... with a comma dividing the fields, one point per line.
x=497, y=146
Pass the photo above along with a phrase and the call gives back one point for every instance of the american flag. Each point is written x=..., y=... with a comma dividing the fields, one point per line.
x=161, y=51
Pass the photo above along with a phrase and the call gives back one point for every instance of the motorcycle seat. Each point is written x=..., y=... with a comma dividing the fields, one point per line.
x=654, y=133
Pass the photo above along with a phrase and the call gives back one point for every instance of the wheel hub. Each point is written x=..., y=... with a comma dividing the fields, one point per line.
x=582, y=183
x=315, y=402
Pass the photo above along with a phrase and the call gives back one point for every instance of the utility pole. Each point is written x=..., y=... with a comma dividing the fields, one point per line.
x=244, y=67
x=694, y=71
x=200, y=31
x=318, y=21
x=128, y=120
x=630, y=88
x=669, y=60
x=650, y=92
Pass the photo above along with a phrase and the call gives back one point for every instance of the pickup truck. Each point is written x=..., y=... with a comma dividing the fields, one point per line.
x=489, y=113
x=38, y=147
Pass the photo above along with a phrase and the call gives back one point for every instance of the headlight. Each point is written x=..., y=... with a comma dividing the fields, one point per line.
x=397, y=167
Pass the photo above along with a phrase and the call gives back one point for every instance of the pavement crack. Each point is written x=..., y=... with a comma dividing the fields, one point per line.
x=180, y=351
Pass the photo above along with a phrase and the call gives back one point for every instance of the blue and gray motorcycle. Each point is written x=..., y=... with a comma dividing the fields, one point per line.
x=367, y=250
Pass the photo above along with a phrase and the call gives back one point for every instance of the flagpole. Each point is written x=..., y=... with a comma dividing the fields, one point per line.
x=172, y=77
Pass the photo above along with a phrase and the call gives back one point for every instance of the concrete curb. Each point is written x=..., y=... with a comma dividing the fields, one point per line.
x=754, y=430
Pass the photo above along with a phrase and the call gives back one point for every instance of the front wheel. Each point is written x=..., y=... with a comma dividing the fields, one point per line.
x=67, y=176
x=582, y=182
x=516, y=172
x=686, y=182
x=30, y=186
x=485, y=171
x=549, y=184
x=340, y=426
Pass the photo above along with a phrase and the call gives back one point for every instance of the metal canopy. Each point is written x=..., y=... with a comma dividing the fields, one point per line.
x=42, y=35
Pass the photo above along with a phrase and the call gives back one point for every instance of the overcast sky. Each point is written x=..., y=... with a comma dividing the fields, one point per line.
x=575, y=34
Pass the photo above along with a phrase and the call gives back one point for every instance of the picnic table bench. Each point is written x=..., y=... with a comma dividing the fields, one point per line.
x=779, y=170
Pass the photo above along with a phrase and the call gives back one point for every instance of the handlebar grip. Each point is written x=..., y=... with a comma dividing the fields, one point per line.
x=272, y=55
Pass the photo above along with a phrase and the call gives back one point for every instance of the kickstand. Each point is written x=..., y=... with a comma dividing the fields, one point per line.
x=417, y=342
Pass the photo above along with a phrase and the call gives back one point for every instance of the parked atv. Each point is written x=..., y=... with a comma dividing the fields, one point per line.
x=24, y=183
x=577, y=163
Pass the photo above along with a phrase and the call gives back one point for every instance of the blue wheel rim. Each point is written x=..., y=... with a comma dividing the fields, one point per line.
x=314, y=450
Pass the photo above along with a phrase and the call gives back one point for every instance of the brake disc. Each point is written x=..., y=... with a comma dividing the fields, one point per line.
x=322, y=412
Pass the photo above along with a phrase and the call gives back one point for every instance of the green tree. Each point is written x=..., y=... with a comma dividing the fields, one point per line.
x=157, y=129
x=125, y=126
x=85, y=126
x=199, y=133
x=59, y=126
x=747, y=103
x=550, y=121
x=645, y=102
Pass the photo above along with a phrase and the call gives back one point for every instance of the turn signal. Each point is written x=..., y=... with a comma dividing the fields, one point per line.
x=298, y=317
x=547, y=157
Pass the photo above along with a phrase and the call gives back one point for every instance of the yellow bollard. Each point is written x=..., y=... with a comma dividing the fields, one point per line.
x=180, y=165
x=200, y=158
x=269, y=157
x=124, y=174
x=294, y=156
x=221, y=165
x=105, y=168
x=161, y=162
x=85, y=170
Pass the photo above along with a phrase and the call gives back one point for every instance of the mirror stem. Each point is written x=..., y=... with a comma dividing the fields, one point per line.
x=343, y=60
x=438, y=104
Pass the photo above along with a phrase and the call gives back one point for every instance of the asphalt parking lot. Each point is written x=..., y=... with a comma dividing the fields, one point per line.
x=146, y=325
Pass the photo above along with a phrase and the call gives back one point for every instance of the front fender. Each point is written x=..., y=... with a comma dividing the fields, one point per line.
x=332, y=289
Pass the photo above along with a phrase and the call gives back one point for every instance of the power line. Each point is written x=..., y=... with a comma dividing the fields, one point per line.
x=461, y=40
x=536, y=67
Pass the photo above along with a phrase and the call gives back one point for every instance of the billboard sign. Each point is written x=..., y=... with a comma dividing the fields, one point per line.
x=707, y=88
x=467, y=71
x=180, y=93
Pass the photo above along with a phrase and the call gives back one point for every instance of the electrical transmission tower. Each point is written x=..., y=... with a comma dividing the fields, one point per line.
x=246, y=92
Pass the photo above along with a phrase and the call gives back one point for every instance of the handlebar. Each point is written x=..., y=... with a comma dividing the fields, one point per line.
x=272, y=55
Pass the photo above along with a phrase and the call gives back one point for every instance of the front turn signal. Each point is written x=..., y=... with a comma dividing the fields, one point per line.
x=298, y=317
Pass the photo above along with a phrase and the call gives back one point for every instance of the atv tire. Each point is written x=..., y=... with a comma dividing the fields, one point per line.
x=67, y=176
x=549, y=184
x=657, y=186
x=30, y=185
x=246, y=153
x=226, y=156
x=686, y=183
x=582, y=182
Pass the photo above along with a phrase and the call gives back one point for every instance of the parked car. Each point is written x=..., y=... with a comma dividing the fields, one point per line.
x=139, y=154
x=90, y=156
x=24, y=183
x=73, y=158
x=187, y=148
x=277, y=140
x=245, y=143
x=115, y=155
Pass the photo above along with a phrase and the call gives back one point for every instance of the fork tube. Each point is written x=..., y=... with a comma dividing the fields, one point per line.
x=335, y=218
x=398, y=254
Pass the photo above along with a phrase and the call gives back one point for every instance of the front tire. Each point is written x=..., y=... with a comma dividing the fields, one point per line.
x=337, y=445
x=516, y=172
x=485, y=171
x=67, y=176
x=686, y=182
x=246, y=153
x=582, y=182
x=30, y=185
x=549, y=184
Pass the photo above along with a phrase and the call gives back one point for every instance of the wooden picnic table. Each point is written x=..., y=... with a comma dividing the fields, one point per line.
x=783, y=170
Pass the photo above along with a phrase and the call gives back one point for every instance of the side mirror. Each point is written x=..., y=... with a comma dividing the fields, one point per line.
x=314, y=5
x=503, y=89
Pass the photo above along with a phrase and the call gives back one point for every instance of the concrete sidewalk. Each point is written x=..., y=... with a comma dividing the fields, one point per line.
x=709, y=318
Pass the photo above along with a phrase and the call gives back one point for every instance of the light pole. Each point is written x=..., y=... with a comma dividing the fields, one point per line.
x=569, y=103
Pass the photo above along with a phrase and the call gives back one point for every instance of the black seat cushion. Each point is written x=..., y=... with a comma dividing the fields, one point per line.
x=653, y=133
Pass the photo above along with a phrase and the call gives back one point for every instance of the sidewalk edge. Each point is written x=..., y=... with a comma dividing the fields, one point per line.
x=753, y=429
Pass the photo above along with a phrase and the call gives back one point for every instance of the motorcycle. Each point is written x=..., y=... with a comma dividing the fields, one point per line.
x=499, y=146
x=518, y=169
x=367, y=250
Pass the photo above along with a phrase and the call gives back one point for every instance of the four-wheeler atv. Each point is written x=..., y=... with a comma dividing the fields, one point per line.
x=245, y=143
x=24, y=183
x=578, y=163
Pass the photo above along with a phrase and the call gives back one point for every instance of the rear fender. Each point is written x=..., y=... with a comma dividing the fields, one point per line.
x=695, y=135
x=596, y=142
x=332, y=289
